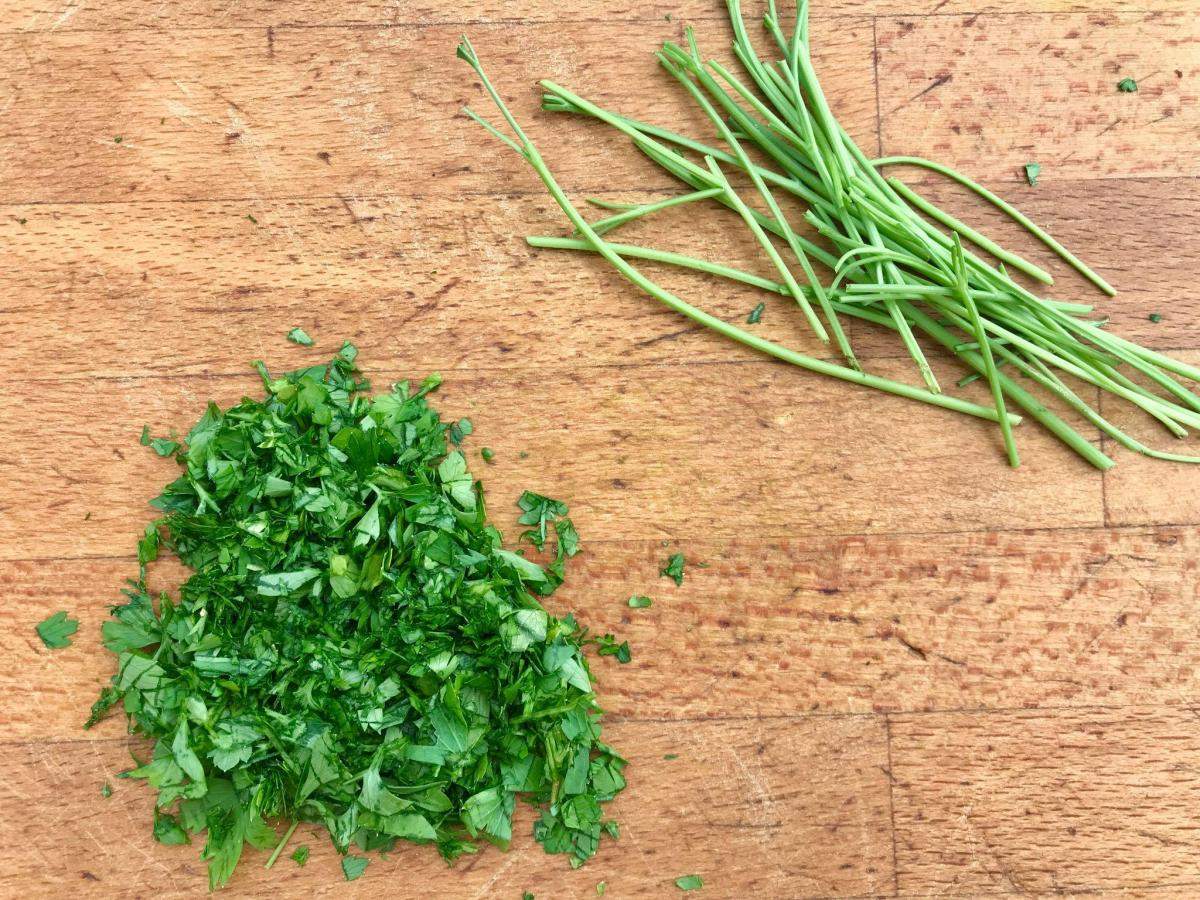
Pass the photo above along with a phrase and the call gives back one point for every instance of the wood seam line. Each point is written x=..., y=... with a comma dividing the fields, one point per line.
x=534, y=23
x=783, y=538
x=891, y=777
x=617, y=718
x=878, y=103
x=606, y=188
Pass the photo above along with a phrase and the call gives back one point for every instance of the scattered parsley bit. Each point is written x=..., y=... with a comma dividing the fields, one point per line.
x=87, y=516
x=1032, y=171
x=608, y=646
x=460, y=430
x=106, y=790
x=22, y=221
x=756, y=314
x=161, y=446
x=118, y=139
x=601, y=887
x=528, y=895
x=673, y=569
x=299, y=336
x=487, y=454
x=670, y=756
x=301, y=855
x=524, y=454
x=1127, y=86
x=1155, y=318
x=637, y=601
x=251, y=219
x=689, y=882
x=56, y=631
x=354, y=646
x=354, y=866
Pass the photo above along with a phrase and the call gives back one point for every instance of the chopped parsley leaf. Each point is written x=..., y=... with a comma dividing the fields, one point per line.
x=354, y=866
x=673, y=569
x=1127, y=86
x=56, y=631
x=1032, y=171
x=756, y=314
x=299, y=336
x=689, y=882
x=637, y=601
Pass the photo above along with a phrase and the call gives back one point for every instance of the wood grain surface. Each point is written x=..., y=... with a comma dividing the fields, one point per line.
x=902, y=669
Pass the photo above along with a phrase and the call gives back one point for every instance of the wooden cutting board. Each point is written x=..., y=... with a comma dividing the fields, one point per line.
x=904, y=669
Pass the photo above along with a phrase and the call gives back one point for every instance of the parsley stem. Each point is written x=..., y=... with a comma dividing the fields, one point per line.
x=533, y=157
x=985, y=349
x=663, y=256
x=283, y=843
x=1008, y=209
x=980, y=240
x=636, y=212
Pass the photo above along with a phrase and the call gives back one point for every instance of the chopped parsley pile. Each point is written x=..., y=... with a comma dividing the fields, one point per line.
x=354, y=646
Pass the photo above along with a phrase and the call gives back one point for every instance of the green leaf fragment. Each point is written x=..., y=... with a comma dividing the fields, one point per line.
x=56, y=631
x=298, y=336
x=637, y=601
x=354, y=866
x=674, y=568
x=756, y=314
x=1032, y=171
x=106, y=790
x=1127, y=86
x=300, y=855
x=689, y=882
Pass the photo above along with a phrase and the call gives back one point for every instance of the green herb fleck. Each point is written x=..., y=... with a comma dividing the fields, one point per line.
x=524, y=454
x=56, y=631
x=756, y=314
x=528, y=895
x=601, y=887
x=637, y=601
x=1127, y=86
x=106, y=790
x=117, y=139
x=251, y=219
x=1155, y=318
x=22, y=221
x=161, y=446
x=299, y=336
x=608, y=646
x=1032, y=171
x=670, y=756
x=689, y=882
x=487, y=454
x=673, y=569
x=301, y=855
x=354, y=866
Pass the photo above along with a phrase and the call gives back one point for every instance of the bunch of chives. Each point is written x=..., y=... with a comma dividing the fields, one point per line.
x=891, y=264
